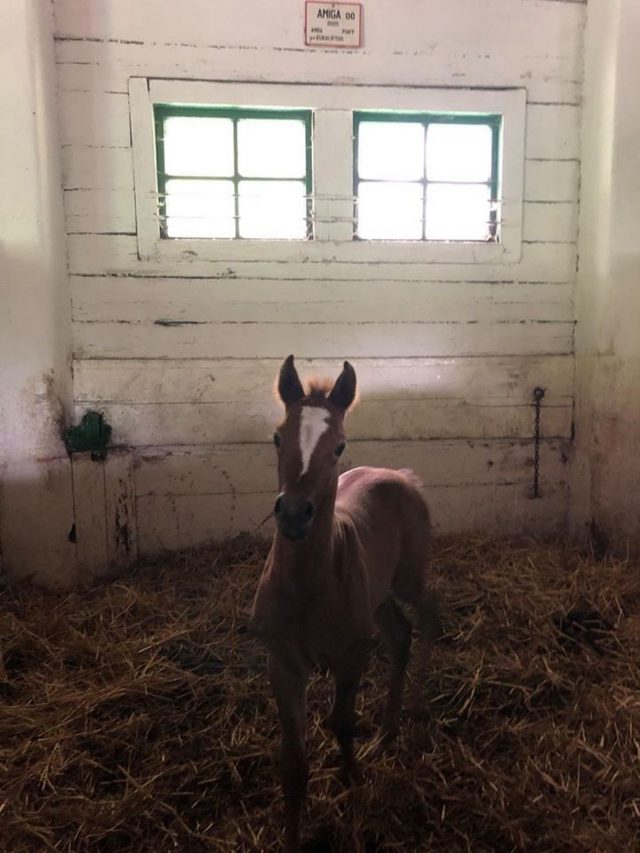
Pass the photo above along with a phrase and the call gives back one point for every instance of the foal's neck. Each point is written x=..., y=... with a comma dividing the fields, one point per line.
x=301, y=560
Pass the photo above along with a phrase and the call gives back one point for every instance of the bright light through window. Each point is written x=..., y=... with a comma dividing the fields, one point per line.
x=423, y=177
x=274, y=209
x=459, y=152
x=198, y=146
x=457, y=212
x=271, y=148
x=200, y=208
x=391, y=152
x=205, y=157
x=376, y=200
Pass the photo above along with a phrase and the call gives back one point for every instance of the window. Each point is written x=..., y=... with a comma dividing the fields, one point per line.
x=272, y=173
x=426, y=176
x=233, y=173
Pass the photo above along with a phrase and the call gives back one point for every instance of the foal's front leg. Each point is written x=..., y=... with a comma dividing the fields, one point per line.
x=289, y=678
x=342, y=719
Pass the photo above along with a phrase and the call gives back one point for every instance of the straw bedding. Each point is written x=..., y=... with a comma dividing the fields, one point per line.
x=136, y=715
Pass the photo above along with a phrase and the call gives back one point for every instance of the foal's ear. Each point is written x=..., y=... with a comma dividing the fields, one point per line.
x=344, y=391
x=289, y=385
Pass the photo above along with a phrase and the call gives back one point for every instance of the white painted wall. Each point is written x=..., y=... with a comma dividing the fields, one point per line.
x=447, y=354
x=607, y=475
x=36, y=506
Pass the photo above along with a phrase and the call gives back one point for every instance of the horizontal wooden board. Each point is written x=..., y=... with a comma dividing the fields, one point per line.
x=406, y=418
x=94, y=119
x=106, y=67
x=168, y=523
x=100, y=211
x=97, y=168
x=148, y=300
x=102, y=119
x=104, y=254
x=185, y=498
x=251, y=467
x=192, y=402
x=553, y=132
x=445, y=18
x=433, y=410
x=551, y=221
x=500, y=43
x=321, y=340
x=551, y=180
x=500, y=510
x=490, y=380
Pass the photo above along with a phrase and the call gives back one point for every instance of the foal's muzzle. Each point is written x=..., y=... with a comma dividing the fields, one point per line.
x=293, y=516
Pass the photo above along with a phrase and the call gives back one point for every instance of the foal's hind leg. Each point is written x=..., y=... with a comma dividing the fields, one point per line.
x=396, y=632
x=429, y=622
x=429, y=630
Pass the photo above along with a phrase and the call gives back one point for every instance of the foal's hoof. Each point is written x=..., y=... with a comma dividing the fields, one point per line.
x=419, y=711
x=382, y=743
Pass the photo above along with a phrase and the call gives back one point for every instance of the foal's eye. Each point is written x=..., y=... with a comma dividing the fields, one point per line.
x=276, y=439
x=340, y=448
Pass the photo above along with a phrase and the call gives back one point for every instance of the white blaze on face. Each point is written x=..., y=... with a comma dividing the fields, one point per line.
x=313, y=423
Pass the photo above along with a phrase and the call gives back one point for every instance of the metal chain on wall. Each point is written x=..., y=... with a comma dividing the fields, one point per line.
x=538, y=394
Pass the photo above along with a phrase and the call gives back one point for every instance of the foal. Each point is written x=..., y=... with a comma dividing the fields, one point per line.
x=344, y=549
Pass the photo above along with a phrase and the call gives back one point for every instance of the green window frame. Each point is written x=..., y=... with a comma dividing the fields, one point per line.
x=165, y=111
x=491, y=120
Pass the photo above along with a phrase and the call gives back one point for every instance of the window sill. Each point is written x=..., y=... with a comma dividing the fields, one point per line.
x=353, y=251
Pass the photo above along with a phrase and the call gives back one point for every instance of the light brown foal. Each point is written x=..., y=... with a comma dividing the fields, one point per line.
x=344, y=549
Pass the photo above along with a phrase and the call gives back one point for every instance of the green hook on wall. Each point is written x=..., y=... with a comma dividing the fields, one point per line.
x=91, y=434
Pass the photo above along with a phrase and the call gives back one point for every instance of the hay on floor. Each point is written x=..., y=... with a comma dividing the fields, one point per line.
x=136, y=715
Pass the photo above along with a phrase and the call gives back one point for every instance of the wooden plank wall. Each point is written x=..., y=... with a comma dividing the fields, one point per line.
x=447, y=354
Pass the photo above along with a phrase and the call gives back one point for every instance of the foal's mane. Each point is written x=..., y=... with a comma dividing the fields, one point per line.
x=318, y=388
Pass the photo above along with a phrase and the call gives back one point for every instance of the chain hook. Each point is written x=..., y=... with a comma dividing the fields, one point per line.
x=538, y=394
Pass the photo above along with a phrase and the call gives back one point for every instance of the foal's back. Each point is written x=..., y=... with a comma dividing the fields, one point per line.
x=392, y=522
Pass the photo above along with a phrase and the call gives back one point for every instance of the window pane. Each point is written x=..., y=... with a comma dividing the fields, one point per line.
x=198, y=146
x=271, y=148
x=390, y=211
x=457, y=212
x=392, y=151
x=200, y=209
x=275, y=209
x=458, y=152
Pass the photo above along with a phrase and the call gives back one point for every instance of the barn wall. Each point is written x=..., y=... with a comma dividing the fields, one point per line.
x=448, y=354
x=606, y=491
x=36, y=501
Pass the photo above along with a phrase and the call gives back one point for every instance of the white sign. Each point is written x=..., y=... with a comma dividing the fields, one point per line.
x=333, y=24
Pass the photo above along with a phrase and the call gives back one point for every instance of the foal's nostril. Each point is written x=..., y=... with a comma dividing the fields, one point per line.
x=293, y=514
